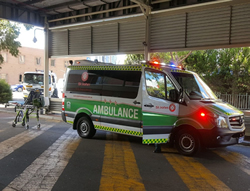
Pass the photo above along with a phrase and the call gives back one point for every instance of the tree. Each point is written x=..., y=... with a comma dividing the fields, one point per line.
x=5, y=92
x=134, y=59
x=225, y=70
x=9, y=32
x=174, y=57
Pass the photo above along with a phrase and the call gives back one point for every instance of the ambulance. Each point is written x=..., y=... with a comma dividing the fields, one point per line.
x=159, y=103
x=35, y=80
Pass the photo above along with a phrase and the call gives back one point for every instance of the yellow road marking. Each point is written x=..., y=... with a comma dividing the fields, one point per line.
x=239, y=160
x=194, y=174
x=120, y=171
x=43, y=173
x=2, y=130
x=10, y=145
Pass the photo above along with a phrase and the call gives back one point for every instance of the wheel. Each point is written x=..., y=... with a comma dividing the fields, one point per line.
x=23, y=124
x=13, y=124
x=85, y=128
x=19, y=89
x=187, y=142
x=20, y=116
x=38, y=126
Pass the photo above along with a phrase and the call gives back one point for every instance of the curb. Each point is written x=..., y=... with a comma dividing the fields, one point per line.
x=245, y=143
x=43, y=116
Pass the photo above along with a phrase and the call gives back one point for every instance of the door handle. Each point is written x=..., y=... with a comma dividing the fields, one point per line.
x=136, y=102
x=149, y=105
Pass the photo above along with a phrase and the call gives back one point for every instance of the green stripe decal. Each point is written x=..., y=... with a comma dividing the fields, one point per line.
x=127, y=68
x=71, y=122
x=151, y=141
x=118, y=130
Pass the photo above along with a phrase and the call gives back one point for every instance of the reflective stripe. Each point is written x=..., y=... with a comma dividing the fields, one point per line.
x=117, y=130
x=127, y=68
x=157, y=138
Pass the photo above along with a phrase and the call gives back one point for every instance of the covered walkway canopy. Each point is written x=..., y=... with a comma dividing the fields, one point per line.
x=88, y=27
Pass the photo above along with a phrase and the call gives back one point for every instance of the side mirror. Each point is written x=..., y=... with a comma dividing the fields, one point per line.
x=176, y=96
x=20, y=78
x=173, y=95
x=181, y=98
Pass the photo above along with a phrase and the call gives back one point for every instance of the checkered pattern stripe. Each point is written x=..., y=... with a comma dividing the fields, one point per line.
x=118, y=130
x=71, y=122
x=153, y=67
x=126, y=68
x=181, y=71
x=151, y=141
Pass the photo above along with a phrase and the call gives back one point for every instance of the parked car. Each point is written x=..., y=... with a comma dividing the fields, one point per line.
x=17, y=88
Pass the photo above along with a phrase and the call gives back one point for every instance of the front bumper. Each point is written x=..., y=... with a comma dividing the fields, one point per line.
x=220, y=137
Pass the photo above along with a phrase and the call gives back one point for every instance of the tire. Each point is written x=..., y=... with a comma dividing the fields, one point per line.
x=85, y=128
x=187, y=142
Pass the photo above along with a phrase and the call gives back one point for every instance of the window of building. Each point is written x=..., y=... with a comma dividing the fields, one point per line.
x=4, y=55
x=52, y=63
x=66, y=63
x=21, y=59
x=4, y=77
x=38, y=60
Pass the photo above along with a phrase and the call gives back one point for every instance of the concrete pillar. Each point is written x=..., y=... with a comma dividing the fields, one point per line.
x=46, y=59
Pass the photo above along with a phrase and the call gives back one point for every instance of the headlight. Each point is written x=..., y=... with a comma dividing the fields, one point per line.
x=221, y=122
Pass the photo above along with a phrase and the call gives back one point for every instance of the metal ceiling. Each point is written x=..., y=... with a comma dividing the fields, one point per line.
x=63, y=12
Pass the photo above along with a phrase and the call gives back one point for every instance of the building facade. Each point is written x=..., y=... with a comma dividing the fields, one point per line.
x=30, y=60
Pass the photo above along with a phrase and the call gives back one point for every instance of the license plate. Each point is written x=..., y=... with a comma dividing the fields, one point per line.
x=241, y=139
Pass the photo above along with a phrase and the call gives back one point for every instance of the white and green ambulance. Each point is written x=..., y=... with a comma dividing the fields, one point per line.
x=160, y=103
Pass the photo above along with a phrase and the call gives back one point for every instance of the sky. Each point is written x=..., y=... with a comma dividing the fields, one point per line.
x=26, y=37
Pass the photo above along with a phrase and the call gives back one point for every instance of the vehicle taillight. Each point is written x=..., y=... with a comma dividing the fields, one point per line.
x=63, y=98
x=203, y=114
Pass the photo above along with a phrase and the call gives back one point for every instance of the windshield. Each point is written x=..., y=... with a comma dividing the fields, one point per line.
x=194, y=86
x=34, y=79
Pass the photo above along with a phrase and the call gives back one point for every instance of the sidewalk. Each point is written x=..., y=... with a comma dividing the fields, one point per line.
x=57, y=117
x=52, y=116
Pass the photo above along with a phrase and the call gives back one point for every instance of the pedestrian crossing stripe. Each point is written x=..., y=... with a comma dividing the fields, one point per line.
x=125, y=68
x=152, y=141
x=123, y=131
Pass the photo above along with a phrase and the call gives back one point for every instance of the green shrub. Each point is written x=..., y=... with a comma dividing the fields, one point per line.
x=5, y=92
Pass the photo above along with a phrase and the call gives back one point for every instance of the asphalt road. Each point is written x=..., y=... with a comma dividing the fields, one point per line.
x=55, y=158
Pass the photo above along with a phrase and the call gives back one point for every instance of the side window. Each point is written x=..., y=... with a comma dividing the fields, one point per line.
x=121, y=83
x=85, y=81
x=155, y=83
x=170, y=88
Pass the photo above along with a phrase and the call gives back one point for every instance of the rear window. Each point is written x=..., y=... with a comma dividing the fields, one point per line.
x=85, y=81
x=123, y=84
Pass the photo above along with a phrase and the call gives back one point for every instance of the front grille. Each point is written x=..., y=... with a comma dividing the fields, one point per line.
x=236, y=122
